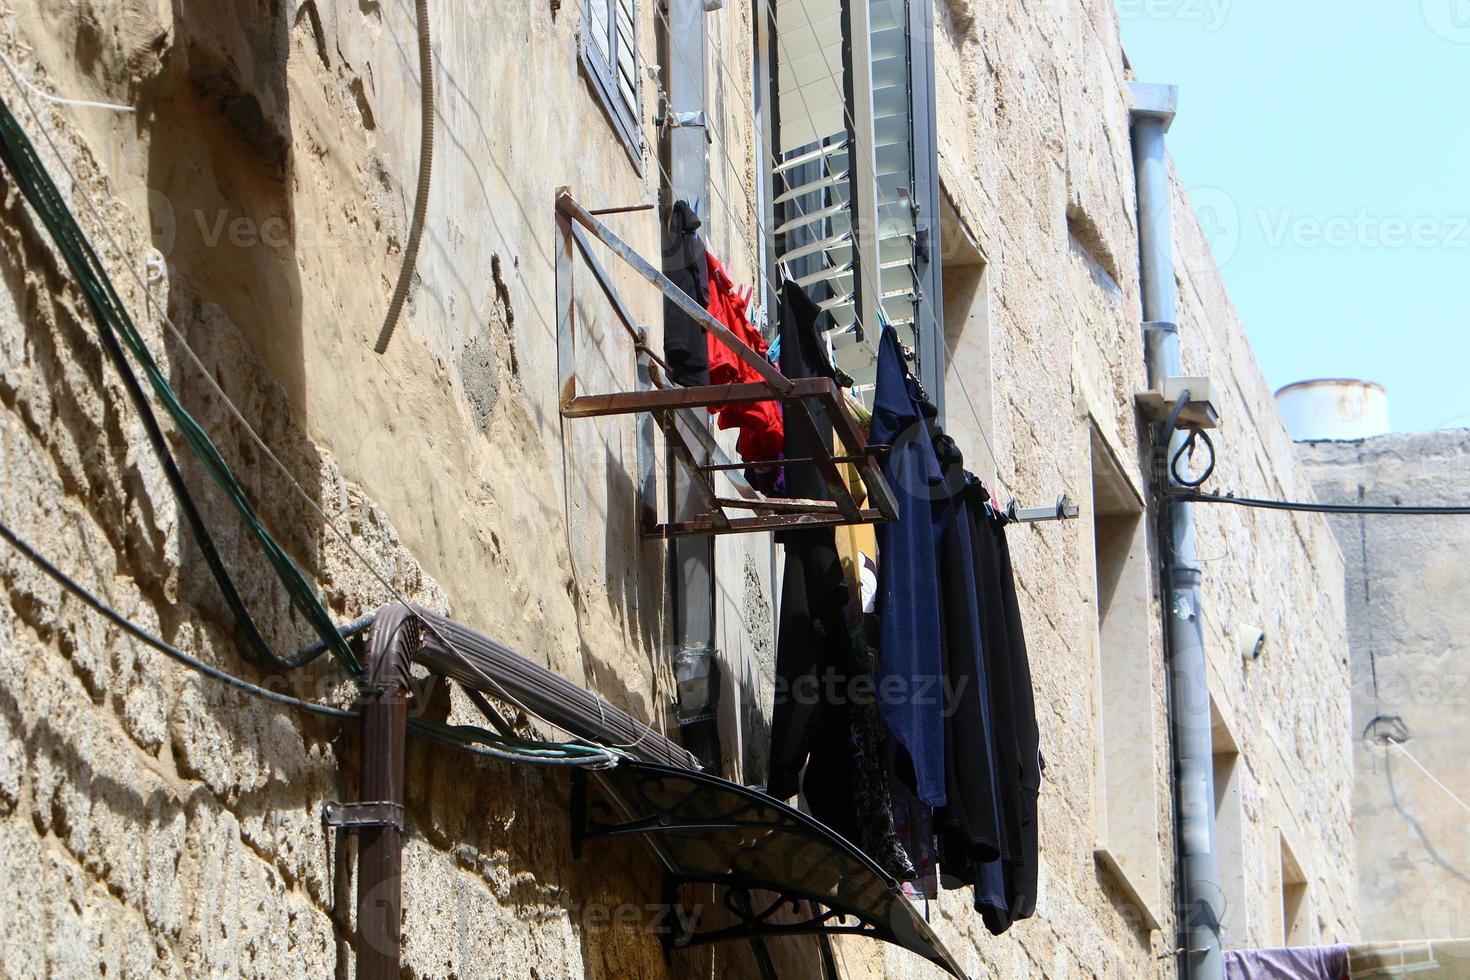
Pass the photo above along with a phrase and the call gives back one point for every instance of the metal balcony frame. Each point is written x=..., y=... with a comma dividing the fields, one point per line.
x=674, y=408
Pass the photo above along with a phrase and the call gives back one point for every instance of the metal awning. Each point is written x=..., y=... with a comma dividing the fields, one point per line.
x=775, y=871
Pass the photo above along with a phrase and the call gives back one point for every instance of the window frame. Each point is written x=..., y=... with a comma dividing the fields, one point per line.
x=602, y=71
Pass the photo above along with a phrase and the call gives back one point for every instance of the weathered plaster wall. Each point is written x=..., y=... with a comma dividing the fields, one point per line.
x=153, y=823
x=1407, y=627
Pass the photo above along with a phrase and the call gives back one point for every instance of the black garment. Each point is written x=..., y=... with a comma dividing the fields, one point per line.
x=1005, y=890
x=804, y=355
x=970, y=822
x=686, y=349
x=814, y=651
x=824, y=733
x=910, y=644
x=814, y=657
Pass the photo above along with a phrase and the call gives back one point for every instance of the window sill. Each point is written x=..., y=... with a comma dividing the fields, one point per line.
x=1147, y=905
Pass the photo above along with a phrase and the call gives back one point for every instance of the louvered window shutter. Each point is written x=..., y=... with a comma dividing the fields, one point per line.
x=855, y=173
x=610, y=53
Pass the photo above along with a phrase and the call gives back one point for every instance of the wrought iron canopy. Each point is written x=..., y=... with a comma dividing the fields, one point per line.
x=775, y=871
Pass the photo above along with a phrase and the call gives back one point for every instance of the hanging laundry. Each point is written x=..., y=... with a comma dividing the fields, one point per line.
x=1301, y=963
x=1005, y=889
x=970, y=823
x=827, y=738
x=910, y=656
x=762, y=434
x=685, y=348
x=814, y=646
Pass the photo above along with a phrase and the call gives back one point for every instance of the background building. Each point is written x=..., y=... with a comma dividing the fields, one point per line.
x=1407, y=627
x=155, y=824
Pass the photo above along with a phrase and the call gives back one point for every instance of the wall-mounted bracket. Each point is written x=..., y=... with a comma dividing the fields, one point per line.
x=1202, y=412
x=362, y=816
x=678, y=411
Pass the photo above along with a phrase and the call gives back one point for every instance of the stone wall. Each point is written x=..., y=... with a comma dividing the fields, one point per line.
x=1407, y=629
x=155, y=824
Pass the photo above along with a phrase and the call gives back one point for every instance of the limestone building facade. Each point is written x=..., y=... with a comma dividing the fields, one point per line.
x=1406, y=632
x=258, y=197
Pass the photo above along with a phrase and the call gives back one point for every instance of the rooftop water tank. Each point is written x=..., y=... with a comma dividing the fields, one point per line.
x=1333, y=409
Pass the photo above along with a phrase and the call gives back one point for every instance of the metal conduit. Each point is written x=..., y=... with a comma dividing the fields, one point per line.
x=1200, y=899
x=469, y=657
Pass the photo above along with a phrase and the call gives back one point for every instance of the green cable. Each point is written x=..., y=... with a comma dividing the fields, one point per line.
x=41, y=191
x=516, y=749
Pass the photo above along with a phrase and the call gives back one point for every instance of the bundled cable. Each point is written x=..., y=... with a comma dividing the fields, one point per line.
x=467, y=738
x=117, y=331
x=1307, y=507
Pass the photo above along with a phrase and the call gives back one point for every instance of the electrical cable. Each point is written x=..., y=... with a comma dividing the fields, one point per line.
x=426, y=171
x=466, y=737
x=207, y=376
x=143, y=636
x=1187, y=448
x=1383, y=510
x=1432, y=777
x=57, y=99
x=24, y=164
x=481, y=742
x=1189, y=491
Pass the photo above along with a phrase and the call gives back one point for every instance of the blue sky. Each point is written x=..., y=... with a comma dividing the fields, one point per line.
x=1327, y=149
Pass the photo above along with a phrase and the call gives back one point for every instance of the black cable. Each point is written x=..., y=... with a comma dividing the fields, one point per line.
x=19, y=157
x=1186, y=448
x=172, y=652
x=1195, y=435
x=1173, y=424
x=1386, y=510
x=244, y=621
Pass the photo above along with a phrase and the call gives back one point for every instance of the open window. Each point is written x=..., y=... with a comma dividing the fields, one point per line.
x=856, y=174
x=1128, y=743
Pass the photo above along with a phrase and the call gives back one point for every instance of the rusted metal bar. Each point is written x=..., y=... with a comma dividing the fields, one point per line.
x=625, y=316
x=767, y=463
x=567, y=206
x=626, y=208
x=845, y=426
x=767, y=522
x=799, y=415
x=664, y=399
x=700, y=482
x=697, y=434
x=795, y=505
x=566, y=313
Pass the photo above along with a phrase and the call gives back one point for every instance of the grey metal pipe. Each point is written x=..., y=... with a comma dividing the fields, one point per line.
x=691, y=557
x=1200, y=897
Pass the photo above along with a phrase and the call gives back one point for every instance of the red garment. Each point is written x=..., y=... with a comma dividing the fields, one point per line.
x=762, y=431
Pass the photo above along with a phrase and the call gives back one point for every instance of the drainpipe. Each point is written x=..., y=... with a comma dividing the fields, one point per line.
x=691, y=557
x=1198, y=870
x=378, y=818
